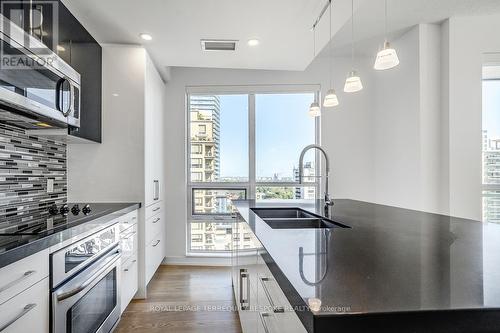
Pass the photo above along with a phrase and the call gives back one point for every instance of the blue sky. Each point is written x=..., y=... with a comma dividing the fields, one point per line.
x=491, y=108
x=283, y=128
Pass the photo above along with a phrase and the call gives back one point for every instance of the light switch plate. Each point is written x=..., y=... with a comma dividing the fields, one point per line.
x=50, y=185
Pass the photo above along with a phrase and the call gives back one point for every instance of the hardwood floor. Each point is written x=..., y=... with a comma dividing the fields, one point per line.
x=184, y=299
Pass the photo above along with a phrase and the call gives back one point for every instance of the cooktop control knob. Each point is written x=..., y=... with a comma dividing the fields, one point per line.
x=86, y=209
x=53, y=210
x=75, y=210
x=64, y=209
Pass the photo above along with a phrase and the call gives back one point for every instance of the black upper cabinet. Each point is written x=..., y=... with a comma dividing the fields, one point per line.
x=74, y=44
x=78, y=48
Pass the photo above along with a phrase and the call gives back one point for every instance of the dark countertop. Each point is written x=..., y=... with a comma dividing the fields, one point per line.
x=17, y=247
x=439, y=273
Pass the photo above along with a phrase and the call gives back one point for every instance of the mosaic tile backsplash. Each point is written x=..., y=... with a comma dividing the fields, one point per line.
x=26, y=163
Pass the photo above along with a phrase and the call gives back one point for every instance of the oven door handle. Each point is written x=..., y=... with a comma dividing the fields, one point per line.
x=68, y=294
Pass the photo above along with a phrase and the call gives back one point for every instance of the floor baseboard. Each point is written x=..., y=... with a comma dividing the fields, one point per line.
x=197, y=261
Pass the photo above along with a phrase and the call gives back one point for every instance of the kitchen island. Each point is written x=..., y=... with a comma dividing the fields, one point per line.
x=388, y=270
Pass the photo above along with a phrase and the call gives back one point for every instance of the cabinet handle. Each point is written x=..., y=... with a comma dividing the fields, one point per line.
x=156, y=220
x=156, y=209
x=263, y=316
x=156, y=190
x=244, y=275
x=276, y=309
x=19, y=280
x=157, y=242
x=25, y=310
x=129, y=235
x=127, y=269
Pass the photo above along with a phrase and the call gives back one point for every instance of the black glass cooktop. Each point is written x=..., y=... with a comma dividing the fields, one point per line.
x=52, y=220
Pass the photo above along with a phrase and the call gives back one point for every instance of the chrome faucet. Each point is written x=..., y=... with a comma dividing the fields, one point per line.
x=328, y=200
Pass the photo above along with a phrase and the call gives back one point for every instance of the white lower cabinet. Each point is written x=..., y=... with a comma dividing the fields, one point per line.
x=22, y=274
x=128, y=242
x=129, y=274
x=27, y=311
x=154, y=254
x=262, y=305
x=129, y=281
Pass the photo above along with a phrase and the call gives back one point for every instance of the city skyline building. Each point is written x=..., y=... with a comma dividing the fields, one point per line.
x=205, y=149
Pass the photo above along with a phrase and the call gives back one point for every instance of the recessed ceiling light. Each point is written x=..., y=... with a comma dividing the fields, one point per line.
x=115, y=95
x=253, y=42
x=146, y=36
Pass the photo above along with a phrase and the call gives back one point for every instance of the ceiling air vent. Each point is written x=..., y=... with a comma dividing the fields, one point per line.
x=218, y=45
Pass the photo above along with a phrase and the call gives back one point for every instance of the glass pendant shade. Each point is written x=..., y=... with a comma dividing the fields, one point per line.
x=314, y=110
x=330, y=99
x=386, y=58
x=353, y=83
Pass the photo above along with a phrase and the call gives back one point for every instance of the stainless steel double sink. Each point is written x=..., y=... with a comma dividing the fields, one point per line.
x=294, y=218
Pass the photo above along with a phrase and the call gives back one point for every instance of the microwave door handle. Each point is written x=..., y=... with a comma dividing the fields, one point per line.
x=69, y=94
x=59, y=95
x=70, y=102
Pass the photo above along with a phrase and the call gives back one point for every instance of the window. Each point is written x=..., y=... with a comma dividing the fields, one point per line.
x=196, y=149
x=245, y=145
x=196, y=163
x=491, y=145
x=216, y=201
x=282, y=130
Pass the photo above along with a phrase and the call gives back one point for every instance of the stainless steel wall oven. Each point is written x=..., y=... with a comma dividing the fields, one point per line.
x=85, y=283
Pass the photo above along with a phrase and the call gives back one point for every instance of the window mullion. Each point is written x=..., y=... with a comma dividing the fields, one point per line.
x=251, y=146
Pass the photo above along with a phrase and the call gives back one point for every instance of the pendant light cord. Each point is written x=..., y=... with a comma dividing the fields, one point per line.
x=314, y=42
x=352, y=33
x=385, y=8
x=331, y=48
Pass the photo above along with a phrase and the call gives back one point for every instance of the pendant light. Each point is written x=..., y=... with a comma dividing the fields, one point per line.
x=331, y=99
x=353, y=81
x=387, y=57
x=314, y=109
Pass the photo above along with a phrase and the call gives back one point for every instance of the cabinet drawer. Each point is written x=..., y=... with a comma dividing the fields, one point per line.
x=128, y=242
x=129, y=281
x=287, y=322
x=276, y=315
x=154, y=225
x=22, y=274
x=28, y=311
x=154, y=209
x=128, y=220
x=154, y=255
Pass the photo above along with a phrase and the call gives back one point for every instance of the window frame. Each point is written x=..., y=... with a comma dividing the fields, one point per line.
x=251, y=185
x=484, y=186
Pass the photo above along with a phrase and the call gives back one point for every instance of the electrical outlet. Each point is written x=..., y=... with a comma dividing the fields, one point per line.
x=50, y=185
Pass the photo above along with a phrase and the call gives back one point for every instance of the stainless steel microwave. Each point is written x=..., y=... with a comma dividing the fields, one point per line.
x=37, y=88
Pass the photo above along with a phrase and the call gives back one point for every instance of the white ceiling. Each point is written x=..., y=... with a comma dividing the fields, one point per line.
x=402, y=14
x=282, y=26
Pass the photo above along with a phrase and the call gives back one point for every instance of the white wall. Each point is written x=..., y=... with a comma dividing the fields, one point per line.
x=345, y=132
x=406, y=124
x=396, y=127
